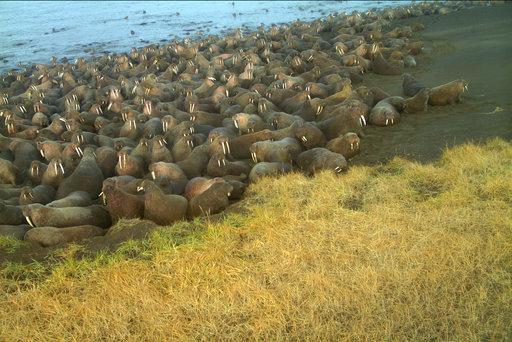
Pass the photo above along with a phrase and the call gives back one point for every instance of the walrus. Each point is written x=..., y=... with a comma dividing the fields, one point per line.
x=16, y=232
x=284, y=150
x=320, y=158
x=417, y=103
x=54, y=173
x=87, y=177
x=346, y=145
x=265, y=169
x=198, y=185
x=9, y=173
x=11, y=215
x=52, y=236
x=74, y=199
x=220, y=165
x=121, y=204
x=38, y=215
x=211, y=201
x=339, y=125
x=446, y=94
x=170, y=173
x=382, y=67
x=42, y=194
x=385, y=112
x=239, y=146
x=161, y=208
x=410, y=86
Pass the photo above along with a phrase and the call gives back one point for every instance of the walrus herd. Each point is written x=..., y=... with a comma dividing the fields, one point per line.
x=170, y=132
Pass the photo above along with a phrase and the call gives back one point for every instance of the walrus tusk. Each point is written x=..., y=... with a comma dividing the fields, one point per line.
x=254, y=157
x=218, y=160
x=304, y=138
x=228, y=148
x=466, y=87
x=224, y=162
x=61, y=167
x=387, y=121
x=223, y=147
x=363, y=120
x=29, y=221
x=236, y=123
x=351, y=145
x=42, y=153
x=153, y=174
x=140, y=188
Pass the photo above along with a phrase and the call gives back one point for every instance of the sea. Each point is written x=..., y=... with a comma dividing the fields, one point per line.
x=34, y=31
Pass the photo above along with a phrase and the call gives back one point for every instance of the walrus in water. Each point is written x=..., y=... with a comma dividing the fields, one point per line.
x=320, y=158
x=446, y=94
x=38, y=215
x=161, y=208
x=51, y=236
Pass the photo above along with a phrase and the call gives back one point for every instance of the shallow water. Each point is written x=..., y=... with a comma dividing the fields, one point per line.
x=33, y=32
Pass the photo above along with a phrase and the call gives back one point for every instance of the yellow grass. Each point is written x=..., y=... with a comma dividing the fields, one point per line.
x=401, y=251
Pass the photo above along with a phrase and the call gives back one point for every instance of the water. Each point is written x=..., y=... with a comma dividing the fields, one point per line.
x=33, y=32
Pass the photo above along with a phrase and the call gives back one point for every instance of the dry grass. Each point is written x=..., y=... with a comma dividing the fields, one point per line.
x=402, y=251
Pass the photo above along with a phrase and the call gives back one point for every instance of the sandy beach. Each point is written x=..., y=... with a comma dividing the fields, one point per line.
x=473, y=45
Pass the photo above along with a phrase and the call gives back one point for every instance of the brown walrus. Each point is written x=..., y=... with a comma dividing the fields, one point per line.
x=382, y=67
x=161, y=208
x=320, y=158
x=51, y=236
x=211, y=201
x=446, y=94
x=121, y=204
x=38, y=215
x=346, y=145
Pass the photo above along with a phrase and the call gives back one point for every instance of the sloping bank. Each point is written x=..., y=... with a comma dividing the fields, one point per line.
x=398, y=251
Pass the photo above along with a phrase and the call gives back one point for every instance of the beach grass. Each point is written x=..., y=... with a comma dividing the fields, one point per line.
x=399, y=251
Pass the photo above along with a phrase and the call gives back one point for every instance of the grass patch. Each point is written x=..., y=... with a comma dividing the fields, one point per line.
x=10, y=245
x=401, y=251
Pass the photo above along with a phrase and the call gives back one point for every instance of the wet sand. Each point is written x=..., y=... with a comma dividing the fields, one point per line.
x=474, y=45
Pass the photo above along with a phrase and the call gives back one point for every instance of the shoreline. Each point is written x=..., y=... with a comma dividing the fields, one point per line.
x=461, y=47
x=147, y=22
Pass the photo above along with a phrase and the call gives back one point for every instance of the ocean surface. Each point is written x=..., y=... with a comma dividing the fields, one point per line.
x=34, y=31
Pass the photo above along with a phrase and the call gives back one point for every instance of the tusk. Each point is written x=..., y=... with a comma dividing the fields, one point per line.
x=387, y=121
x=223, y=147
x=227, y=146
x=62, y=168
x=363, y=120
x=42, y=153
x=153, y=174
x=351, y=145
x=29, y=221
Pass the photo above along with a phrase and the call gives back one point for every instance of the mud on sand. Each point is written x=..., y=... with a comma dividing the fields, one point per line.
x=474, y=45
